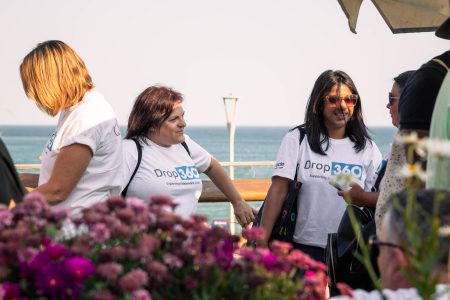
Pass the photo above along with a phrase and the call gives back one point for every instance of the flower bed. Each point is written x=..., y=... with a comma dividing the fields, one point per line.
x=126, y=249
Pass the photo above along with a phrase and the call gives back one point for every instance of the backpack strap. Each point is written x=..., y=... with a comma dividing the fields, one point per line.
x=186, y=147
x=139, y=150
x=302, y=136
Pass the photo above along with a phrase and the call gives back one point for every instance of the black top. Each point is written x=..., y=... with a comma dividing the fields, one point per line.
x=417, y=100
x=10, y=184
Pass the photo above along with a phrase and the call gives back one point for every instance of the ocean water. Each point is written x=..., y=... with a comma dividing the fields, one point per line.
x=25, y=144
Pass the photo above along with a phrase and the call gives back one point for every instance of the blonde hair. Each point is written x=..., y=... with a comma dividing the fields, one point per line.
x=54, y=76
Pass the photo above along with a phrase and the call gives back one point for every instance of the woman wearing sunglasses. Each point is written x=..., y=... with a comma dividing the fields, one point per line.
x=336, y=142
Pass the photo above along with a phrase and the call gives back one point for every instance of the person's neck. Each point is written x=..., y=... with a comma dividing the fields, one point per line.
x=336, y=133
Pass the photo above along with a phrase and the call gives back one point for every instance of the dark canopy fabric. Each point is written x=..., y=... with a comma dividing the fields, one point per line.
x=402, y=15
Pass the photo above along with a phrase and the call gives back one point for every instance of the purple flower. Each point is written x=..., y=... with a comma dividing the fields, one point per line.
x=224, y=254
x=34, y=203
x=50, y=281
x=99, y=233
x=9, y=291
x=78, y=268
x=270, y=261
x=141, y=295
x=56, y=252
x=110, y=271
x=133, y=280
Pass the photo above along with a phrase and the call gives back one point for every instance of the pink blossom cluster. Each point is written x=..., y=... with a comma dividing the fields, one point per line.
x=131, y=249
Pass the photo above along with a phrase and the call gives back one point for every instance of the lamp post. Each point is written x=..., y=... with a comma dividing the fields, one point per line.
x=230, y=112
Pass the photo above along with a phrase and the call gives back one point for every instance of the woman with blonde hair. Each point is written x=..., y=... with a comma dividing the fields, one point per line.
x=81, y=162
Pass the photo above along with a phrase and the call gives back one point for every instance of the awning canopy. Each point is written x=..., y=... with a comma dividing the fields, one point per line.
x=402, y=15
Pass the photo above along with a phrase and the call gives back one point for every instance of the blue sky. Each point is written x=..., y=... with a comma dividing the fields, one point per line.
x=268, y=53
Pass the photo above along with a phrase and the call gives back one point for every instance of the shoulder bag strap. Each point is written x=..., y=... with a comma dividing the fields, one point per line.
x=302, y=136
x=441, y=63
x=139, y=150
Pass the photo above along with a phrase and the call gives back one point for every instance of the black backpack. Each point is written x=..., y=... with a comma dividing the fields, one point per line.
x=342, y=264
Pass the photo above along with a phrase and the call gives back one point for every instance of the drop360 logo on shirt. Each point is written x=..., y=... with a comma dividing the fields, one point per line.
x=342, y=168
x=183, y=172
x=337, y=168
x=187, y=172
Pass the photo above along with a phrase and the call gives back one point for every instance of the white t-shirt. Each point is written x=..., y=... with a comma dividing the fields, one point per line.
x=400, y=294
x=320, y=208
x=166, y=171
x=93, y=123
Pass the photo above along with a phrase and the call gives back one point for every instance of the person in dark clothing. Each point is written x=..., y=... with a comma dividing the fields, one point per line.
x=420, y=92
x=10, y=185
x=416, y=106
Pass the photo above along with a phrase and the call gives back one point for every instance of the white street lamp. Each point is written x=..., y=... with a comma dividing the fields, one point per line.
x=230, y=112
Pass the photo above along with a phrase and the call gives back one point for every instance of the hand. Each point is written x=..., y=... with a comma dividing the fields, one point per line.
x=355, y=195
x=244, y=213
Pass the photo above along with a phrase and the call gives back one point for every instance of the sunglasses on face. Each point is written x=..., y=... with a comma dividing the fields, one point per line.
x=392, y=98
x=350, y=100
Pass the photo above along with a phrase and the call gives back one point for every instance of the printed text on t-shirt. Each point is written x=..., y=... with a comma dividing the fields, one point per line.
x=336, y=168
x=182, y=172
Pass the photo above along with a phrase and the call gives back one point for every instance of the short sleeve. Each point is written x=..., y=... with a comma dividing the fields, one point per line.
x=374, y=160
x=287, y=156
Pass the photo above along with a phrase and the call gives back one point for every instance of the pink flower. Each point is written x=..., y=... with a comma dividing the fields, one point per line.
x=141, y=295
x=172, y=261
x=269, y=261
x=136, y=204
x=304, y=261
x=133, y=280
x=116, y=202
x=9, y=291
x=254, y=234
x=103, y=295
x=79, y=268
x=99, y=233
x=26, y=255
x=158, y=271
x=280, y=248
x=125, y=214
x=6, y=218
x=344, y=289
x=162, y=201
x=34, y=203
x=190, y=283
x=110, y=271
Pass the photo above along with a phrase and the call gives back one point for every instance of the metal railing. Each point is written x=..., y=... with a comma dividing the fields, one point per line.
x=231, y=222
x=36, y=167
